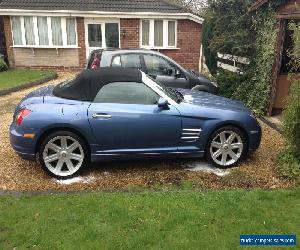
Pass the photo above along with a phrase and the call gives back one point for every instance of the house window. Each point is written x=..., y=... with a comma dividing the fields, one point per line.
x=160, y=34
x=101, y=34
x=145, y=32
x=112, y=35
x=16, y=30
x=43, y=30
x=56, y=31
x=71, y=31
x=95, y=35
x=171, y=33
x=31, y=31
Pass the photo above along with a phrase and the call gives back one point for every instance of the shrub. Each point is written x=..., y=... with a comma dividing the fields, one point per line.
x=229, y=82
x=291, y=118
x=3, y=66
x=289, y=165
x=290, y=159
x=210, y=56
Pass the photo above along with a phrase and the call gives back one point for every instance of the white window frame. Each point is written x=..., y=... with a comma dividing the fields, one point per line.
x=101, y=22
x=36, y=34
x=151, y=34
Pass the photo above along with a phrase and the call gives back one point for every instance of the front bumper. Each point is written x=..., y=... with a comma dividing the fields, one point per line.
x=24, y=147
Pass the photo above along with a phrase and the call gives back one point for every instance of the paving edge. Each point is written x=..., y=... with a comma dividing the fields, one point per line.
x=27, y=85
x=271, y=124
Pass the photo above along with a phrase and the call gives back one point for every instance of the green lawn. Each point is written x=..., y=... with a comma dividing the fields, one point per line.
x=15, y=77
x=186, y=219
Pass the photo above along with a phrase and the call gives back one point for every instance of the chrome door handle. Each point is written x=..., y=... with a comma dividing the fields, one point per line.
x=103, y=116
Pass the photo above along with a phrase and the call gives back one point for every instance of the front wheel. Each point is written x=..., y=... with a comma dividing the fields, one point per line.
x=63, y=154
x=226, y=147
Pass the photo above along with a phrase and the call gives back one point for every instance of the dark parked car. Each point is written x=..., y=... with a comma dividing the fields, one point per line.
x=158, y=66
x=122, y=113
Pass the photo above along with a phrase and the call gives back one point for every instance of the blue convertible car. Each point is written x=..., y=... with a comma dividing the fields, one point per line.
x=116, y=113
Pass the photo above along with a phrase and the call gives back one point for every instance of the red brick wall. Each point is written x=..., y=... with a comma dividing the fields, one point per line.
x=131, y=27
x=9, y=41
x=188, y=41
x=188, y=44
x=81, y=41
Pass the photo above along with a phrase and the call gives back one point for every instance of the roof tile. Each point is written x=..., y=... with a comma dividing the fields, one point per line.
x=93, y=5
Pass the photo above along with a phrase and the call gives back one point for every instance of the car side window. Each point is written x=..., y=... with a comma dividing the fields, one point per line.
x=116, y=62
x=159, y=66
x=127, y=93
x=127, y=61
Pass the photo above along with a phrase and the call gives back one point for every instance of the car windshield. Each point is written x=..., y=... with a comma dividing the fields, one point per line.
x=174, y=94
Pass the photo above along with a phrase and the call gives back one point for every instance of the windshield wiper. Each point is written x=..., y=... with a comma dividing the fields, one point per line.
x=179, y=96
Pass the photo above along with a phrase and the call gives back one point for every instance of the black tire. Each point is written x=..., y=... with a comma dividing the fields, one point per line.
x=243, y=152
x=85, y=151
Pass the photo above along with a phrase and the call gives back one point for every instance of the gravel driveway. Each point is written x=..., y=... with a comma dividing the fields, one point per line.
x=19, y=175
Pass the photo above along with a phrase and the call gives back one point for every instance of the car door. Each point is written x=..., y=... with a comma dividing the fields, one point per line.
x=164, y=71
x=125, y=118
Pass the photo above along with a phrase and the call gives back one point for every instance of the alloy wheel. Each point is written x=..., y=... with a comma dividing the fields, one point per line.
x=63, y=156
x=226, y=148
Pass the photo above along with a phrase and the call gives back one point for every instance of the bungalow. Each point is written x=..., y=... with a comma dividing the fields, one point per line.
x=61, y=34
x=288, y=11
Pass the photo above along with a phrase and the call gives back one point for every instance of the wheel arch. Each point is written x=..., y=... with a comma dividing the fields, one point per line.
x=57, y=129
x=229, y=124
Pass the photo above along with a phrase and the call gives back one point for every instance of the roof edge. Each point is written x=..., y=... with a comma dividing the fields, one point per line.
x=104, y=14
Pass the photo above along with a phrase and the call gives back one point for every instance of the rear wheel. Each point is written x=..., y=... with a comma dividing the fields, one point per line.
x=63, y=154
x=226, y=147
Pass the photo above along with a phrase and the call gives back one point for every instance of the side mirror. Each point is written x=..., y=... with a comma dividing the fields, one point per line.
x=178, y=74
x=170, y=72
x=153, y=76
x=163, y=103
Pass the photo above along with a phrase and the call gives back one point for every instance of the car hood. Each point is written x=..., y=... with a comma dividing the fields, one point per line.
x=204, y=99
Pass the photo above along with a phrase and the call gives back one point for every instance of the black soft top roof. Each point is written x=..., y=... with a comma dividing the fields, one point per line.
x=87, y=84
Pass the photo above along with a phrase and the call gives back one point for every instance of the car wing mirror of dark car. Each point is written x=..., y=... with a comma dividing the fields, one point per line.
x=153, y=76
x=163, y=103
x=178, y=74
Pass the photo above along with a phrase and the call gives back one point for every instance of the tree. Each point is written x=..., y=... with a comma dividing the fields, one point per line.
x=196, y=6
x=232, y=27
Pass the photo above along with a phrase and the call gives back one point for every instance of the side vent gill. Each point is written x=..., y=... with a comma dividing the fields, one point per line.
x=190, y=135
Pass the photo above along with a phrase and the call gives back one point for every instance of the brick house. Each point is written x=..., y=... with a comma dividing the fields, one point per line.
x=61, y=34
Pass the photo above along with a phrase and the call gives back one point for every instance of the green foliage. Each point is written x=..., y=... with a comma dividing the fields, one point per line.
x=237, y=32
x=290, y=159
x=3, y=66
x=291, y=117
x=210, y=56
x=229, y=82
x=232, y=29
x=255, y=93
x=291, y=114
x=289, y=165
